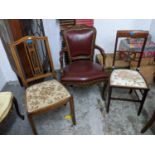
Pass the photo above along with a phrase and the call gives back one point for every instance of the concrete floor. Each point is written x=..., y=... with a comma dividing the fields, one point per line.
x=91, y=115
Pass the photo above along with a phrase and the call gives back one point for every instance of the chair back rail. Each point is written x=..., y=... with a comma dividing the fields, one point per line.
x=39, y=58
x=137, y=34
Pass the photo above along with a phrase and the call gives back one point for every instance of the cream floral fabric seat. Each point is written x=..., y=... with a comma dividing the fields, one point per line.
x=5, y=104
x=44, y=94
x=127, y=78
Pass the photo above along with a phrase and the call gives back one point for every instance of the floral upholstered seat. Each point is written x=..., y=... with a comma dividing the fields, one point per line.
x=45, y=94
x=5, y=104
x=127, y=78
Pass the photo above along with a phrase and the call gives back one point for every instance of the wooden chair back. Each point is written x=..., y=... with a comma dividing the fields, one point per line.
x=37, y=56
x=80, y=42
x=137, y=34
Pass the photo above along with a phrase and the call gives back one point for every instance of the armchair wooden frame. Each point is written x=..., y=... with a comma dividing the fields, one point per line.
x=143, y=91
x=89, y=57
x=38, y=74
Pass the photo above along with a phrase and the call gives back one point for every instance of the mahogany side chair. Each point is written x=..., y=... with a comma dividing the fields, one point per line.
x=40, y=96
x=80, y=46
x=129, y=78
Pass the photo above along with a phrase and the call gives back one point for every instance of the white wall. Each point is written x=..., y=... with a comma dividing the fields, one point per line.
x=5, y=68
x=2, y=80
x=152, y=29
x=106, y=30
x=52, y=31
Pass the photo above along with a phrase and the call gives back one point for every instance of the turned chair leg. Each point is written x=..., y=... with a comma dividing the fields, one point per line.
x=71, y=102
x=142, y=102
x=17, y=108
x=109, y=98
x=149, y=123
x=32, y=124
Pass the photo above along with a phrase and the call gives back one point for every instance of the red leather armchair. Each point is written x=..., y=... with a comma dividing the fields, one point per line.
x=80, y=45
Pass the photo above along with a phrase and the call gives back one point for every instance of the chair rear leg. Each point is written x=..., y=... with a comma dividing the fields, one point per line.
x=142, y=102
x=32, y=124
x=149, y=123
x=104, y=90
x=109, y=98
x=71, y=102
x=17, y=108
x=130, y=91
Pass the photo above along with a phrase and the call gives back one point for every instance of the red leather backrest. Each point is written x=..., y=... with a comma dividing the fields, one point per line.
x=80, y=41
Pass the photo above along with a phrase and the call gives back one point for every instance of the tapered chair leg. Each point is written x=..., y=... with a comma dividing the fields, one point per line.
x=149, y=123
x=109, y=98
x=130, y=91
x=104, y=90
x=71, y=102
x=17, y=108
x=32, y=124
x=142, y=102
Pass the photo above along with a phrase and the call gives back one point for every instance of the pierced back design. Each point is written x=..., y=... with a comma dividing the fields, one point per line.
x=39, y=58
x=33, y=56
x=80, y=42
x=135, y=56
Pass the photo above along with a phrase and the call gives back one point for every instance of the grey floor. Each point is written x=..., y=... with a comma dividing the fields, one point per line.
x=91, y=115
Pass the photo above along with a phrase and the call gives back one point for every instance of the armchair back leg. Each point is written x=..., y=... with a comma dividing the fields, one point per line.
x=109, y=98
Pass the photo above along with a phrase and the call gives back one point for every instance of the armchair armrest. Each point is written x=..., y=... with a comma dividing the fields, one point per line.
x=102, y=53
x=61, y=59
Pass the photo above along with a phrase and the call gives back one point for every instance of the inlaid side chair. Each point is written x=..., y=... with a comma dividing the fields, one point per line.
x=7, y=100
x=129, y=78
x=45, y=95
x=80, y=46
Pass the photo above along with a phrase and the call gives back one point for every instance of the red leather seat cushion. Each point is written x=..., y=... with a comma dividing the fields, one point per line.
x=83, y=71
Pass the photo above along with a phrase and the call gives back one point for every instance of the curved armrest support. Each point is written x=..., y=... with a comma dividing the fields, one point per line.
x=102, y=53
x=61, y=58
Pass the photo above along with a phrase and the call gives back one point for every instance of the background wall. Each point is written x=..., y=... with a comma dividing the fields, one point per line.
x=6, y=72
x=152, y=29
x=2, y=80
x=106, y=31
x=52, y=31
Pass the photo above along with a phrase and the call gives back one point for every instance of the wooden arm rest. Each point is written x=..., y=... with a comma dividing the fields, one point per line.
x=102, y=53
